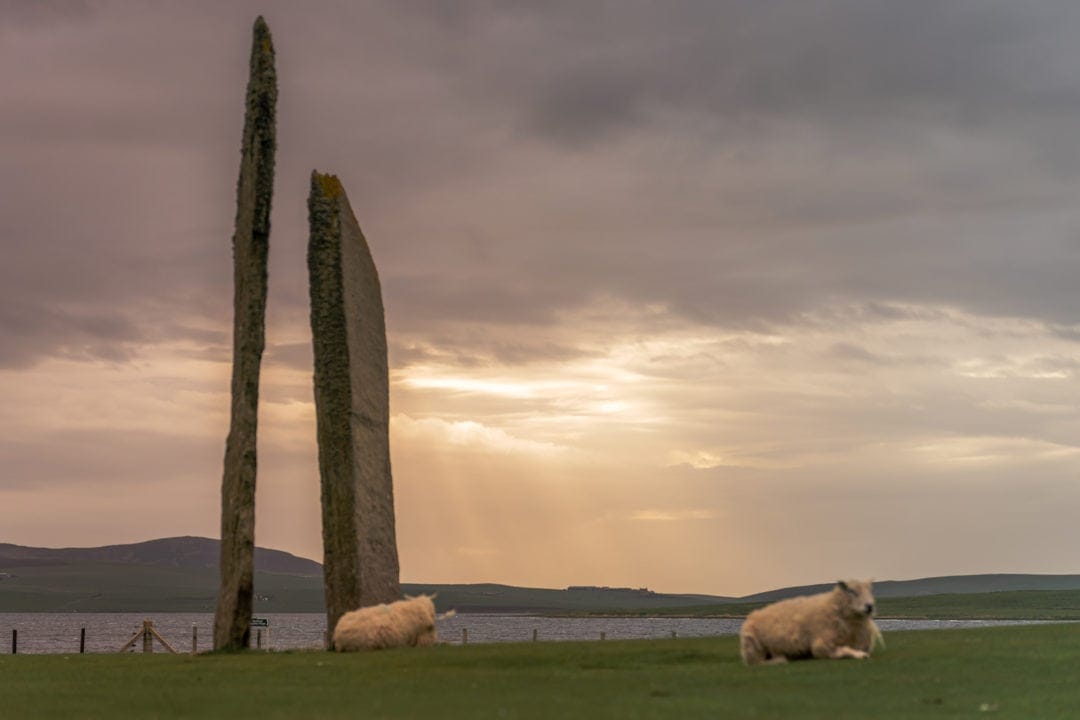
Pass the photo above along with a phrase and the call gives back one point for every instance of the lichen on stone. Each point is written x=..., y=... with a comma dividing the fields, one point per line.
x=254, y=193
x=328, y=184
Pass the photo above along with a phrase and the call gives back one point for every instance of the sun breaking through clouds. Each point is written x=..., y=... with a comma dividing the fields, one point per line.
x=706, y=297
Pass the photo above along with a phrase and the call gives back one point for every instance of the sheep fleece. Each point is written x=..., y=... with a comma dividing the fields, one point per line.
x=834, y=624
x=408, y=622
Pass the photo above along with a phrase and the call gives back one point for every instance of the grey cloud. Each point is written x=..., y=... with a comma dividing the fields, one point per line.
x=739, y=163
x=424, y=300
x=30, y=332
x=582, y=108
x=105, y=459
x=742, y=164
x=519, y=353
x=115, y=226
x=852, y=353
x=293, y=355
x=842, y=61
x=1071, y=365
x=849, y=351
x=482, y=350
x=864, y=83
x=1068, y=333
x=42, y=13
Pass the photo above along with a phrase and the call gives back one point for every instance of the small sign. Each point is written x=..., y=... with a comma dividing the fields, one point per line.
x=260, y=622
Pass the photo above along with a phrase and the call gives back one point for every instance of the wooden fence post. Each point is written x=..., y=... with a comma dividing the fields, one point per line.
x=148, y=633
x=194, y=638
x=534, y=634
x=82, y=641
x=464, y=636
x=14, y=641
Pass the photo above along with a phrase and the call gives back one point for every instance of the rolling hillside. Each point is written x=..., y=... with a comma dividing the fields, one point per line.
x=950, y=584
x=167, y=575
x=181, y=575
x=178, y=552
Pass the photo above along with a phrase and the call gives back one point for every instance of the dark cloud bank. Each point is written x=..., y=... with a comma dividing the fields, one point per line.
x=737, y=162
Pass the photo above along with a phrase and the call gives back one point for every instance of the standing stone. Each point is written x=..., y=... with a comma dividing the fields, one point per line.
x=352, y=406
x=250, y=245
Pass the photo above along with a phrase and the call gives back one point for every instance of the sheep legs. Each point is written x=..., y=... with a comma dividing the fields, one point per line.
x=754, y=654
x=822, y=650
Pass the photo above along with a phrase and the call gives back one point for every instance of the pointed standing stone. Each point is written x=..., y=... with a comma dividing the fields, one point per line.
x=352, y=406
x=250, y=246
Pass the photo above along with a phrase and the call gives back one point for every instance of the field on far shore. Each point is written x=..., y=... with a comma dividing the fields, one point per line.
x=1015, y=672
x=1013, y=605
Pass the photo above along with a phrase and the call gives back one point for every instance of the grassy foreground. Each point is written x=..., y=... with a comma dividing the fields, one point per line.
x=1016, y=672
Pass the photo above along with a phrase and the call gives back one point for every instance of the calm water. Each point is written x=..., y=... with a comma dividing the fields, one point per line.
x=107, y=632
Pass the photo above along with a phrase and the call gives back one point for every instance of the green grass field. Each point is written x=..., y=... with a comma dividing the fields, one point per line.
x=1010, y=605
x=1013, y=605
x=1018, y=672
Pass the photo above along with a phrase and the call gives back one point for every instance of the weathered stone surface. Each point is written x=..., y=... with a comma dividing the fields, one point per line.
x=352, y=403
x=254, y=191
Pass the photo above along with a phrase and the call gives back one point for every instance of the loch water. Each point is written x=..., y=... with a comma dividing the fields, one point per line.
x=108, y=632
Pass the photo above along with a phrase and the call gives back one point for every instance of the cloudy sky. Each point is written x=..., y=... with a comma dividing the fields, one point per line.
x=706, y=296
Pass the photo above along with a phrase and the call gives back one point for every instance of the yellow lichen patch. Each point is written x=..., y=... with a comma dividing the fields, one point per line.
x=330, y=185
x=262, y=36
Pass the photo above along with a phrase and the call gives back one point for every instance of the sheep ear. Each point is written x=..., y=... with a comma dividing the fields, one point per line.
x=843, y=585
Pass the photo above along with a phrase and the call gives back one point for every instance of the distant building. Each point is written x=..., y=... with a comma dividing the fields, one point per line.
x=641, y=591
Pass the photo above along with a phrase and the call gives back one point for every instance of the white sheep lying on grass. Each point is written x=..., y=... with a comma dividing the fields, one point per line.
x=408, y=622
x=835, y=624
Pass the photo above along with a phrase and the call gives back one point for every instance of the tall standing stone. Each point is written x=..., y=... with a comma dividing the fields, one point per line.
x=352, y=406
x=250, y=246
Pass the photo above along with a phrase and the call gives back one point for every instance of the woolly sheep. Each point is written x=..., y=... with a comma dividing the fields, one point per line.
x=835, y=624
x=408, y=622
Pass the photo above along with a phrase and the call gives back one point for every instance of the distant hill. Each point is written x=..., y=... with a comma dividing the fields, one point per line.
x=167, y=575
x=181, y=575
x=178, y=552
x=507, y=598
x=949, y=584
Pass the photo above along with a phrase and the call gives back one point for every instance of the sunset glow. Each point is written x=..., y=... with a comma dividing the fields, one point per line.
x=703, y=297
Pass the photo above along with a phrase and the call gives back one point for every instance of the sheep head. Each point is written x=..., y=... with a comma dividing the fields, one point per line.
x=421, y=612
x=856, y=597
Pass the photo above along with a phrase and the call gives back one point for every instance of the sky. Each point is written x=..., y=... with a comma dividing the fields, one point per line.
x=704, y=296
